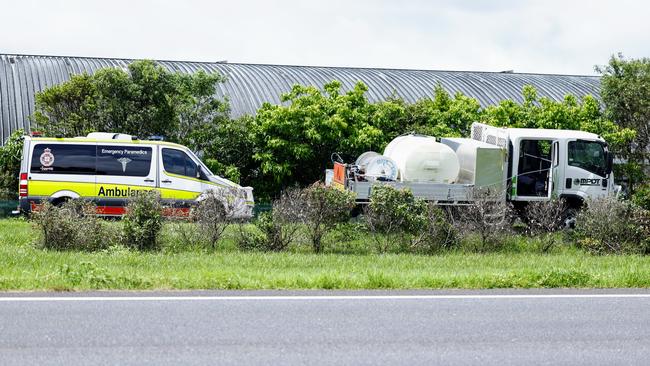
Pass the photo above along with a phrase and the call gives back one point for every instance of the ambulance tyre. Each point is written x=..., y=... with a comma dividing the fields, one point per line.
x=59, y=201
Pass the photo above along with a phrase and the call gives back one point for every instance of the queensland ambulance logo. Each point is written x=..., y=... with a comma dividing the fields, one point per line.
x=124, y=161
x=47, y=158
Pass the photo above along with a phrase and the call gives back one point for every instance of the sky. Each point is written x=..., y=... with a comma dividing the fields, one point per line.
x=558, y=37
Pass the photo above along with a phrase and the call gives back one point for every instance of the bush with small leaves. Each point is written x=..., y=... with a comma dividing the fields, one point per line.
x=274, y=230
x=439, y=232
x=641, y=197
x=487, y=216
x=608, y=225
x=143, y=221
x=323, y=208
x=214, y=212
x=73, y=225
x=544, y=218
x=393, y=216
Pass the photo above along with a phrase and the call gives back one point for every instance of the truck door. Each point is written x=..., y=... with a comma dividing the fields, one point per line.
x=534, y=177
x=586, y=171
x=555, y=173
x=122, y=171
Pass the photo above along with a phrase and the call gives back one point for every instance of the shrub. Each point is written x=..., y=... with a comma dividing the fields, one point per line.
x=72, y=226
x=439, y=232
x=487, y=215
x=143, y=221
x=323, y=208
x=274, y=230
x=213, y=214
x=544, y=218
x=608, y=225
x=641, y=197
x=393, y=216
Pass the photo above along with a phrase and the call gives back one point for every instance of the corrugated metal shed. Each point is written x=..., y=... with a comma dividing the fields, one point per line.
x=249, y=85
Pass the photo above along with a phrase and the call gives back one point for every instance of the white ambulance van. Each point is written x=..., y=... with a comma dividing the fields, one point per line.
x=110, y=168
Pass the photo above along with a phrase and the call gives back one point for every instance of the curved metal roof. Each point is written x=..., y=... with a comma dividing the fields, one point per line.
x=249, y=85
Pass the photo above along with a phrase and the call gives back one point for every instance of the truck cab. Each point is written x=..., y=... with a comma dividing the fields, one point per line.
x=541, y=163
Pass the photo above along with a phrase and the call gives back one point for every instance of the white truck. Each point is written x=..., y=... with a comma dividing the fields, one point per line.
x=521, y=164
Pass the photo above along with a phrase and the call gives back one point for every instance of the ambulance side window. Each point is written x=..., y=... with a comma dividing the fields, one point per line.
x=130, y=161
x=177, y=162
x=63, y=159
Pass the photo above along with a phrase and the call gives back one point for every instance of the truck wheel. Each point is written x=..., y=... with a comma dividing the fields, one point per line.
x=357, y=211
x=569, y=218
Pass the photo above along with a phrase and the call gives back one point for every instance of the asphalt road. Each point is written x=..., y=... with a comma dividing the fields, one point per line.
x=326, y=328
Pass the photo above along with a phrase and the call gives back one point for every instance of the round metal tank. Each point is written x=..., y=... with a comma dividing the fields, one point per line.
x=423, y=159
x=381, y=167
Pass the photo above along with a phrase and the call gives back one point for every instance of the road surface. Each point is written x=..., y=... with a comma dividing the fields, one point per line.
x=552, y=327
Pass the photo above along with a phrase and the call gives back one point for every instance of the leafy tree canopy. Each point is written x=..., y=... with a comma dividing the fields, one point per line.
x=143, y=100
x=295, y=139
x=626, y=95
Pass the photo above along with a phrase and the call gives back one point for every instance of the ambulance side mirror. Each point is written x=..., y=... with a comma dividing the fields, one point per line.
x=200, y=174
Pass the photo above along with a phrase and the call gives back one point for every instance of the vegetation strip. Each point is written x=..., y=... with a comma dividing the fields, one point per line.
x=24, y=266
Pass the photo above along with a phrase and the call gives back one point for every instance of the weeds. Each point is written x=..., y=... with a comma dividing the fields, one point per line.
x=488, y=216
x=544, y=218
x=72, y=226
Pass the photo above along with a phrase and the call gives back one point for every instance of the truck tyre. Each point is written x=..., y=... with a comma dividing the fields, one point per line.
x=569, y=217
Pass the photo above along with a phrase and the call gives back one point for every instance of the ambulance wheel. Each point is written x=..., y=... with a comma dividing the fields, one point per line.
x=59, y=201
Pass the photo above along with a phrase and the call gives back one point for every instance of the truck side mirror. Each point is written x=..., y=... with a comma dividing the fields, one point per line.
x=610, y=163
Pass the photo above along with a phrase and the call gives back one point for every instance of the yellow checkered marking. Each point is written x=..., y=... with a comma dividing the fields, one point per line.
x=84, y=189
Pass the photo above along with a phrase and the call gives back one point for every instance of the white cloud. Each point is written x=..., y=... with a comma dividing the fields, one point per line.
x=534, y=36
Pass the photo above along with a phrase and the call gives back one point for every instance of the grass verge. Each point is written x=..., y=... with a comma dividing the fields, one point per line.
x=23, y=266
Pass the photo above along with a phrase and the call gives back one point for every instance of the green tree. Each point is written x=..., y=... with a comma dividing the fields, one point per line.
x=626, y=94
x=143, y=100
x=443, y=115
x=296, y=139
x=10, y=155
x=569, y=114
x=228, y=147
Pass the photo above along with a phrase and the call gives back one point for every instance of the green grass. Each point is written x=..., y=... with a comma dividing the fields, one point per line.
x=23, y=266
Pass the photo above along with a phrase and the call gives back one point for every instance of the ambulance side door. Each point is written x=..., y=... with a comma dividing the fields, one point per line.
x=123, y=170
x=178, y=176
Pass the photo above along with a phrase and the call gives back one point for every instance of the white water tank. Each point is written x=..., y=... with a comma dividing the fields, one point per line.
x=422, y=159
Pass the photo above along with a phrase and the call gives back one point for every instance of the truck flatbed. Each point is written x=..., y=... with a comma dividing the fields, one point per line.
x=440, y=193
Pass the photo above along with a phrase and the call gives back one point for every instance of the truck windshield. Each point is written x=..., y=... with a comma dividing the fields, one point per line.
x=588, y=155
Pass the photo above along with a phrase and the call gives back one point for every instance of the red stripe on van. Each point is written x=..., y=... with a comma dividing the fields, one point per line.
x=111, y=210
